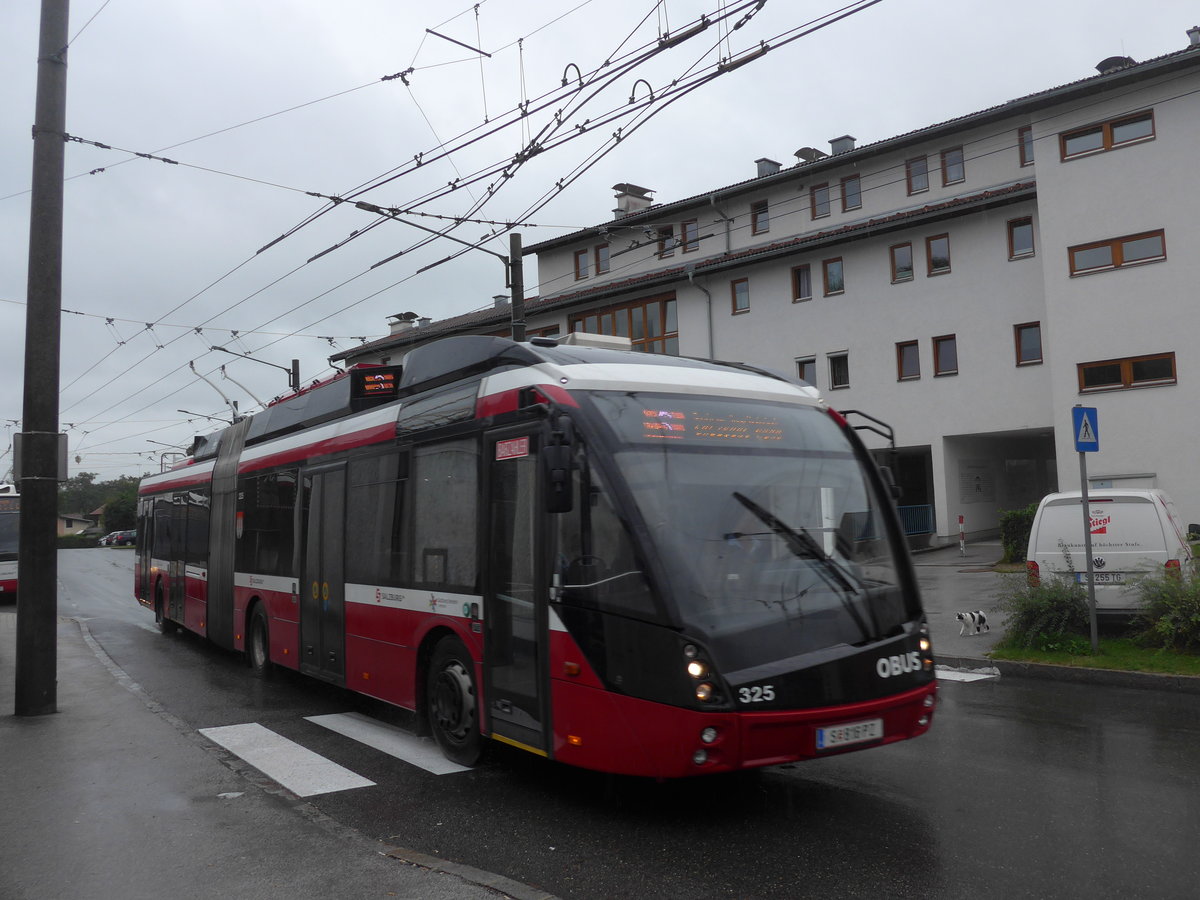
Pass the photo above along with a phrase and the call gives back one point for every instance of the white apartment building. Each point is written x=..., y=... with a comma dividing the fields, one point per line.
x=966, y=283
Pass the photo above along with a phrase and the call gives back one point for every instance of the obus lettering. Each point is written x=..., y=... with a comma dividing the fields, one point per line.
x=887, y=666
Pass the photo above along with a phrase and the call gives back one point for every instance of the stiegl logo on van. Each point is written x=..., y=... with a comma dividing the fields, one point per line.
x=887, y=666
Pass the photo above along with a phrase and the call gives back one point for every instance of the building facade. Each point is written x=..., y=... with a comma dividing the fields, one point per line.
x=966, y=283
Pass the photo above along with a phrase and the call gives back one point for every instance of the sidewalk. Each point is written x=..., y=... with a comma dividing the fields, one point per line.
x=113, y=798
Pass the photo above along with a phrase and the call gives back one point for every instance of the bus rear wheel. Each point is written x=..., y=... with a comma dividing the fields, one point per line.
x=258, y=643
x=165, y=625
x=452, y=702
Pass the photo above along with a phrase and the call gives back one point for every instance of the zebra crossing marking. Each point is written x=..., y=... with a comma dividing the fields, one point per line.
x=297, y=768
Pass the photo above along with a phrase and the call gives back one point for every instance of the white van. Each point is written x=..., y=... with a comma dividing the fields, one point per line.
x=1134, y=532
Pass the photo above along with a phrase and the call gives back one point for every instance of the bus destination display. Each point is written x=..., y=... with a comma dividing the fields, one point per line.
x=697, y=427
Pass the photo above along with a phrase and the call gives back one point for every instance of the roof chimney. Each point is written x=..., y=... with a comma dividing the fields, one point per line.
x=631, y=199
x=767, y=166
x=402, y=322
x=810, y=154
x=1112, y=63
x=1193, y=34
x=841, y=144
x=499, y=301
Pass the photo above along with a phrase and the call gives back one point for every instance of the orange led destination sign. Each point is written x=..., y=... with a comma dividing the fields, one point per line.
x=673, y=424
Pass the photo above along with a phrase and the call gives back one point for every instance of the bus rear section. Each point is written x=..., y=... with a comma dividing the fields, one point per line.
x=10, y=539
x=636, y=564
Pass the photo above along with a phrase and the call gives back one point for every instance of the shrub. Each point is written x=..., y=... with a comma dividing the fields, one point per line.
x=1015, y=525
x=1053, y=612
x=1171, y=616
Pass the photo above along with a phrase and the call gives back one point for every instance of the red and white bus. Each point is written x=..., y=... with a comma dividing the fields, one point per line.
x=633, y=563
x=10, y=538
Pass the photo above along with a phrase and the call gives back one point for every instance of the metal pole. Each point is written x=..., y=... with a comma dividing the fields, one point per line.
x=1087, y=548
x=517, y=277
x=35, y=683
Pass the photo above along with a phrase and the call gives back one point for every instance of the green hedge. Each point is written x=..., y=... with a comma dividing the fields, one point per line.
x=75, y=541
x=1015, y=525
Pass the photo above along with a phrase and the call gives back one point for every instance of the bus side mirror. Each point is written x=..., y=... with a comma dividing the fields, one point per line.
x=558, y=450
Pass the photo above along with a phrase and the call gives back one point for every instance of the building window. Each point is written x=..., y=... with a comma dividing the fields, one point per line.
x=1028, y=339
x=902, y=263
x=760, y=217
x=581, y=264
x=739, y=292
x=547, y=331
x=1116, y=253
x=818, y=199
x=666, y=241
x=1020, y=237
x=801, y=284
x=835, y=282
x=1123, y=374
x=1107, y=135
x=917, y=171
x=937, y=254
x=839, y=370
x=945, y=355
x=908, y=361
x=601, y=258
x=851, y=193
x=954, y=167
x=652, y=325
x=806, y=369
x=1025, y=144
x=689, y=234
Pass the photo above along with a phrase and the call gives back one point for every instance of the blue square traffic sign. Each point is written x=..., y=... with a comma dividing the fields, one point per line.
x=1085, y=426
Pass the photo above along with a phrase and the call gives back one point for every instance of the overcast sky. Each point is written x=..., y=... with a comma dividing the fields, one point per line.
x=262, y=102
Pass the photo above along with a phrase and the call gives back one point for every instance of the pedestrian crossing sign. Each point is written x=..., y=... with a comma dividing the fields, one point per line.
x=1086, y=428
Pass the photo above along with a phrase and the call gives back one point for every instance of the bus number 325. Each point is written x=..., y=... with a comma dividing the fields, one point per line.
x=759, y=693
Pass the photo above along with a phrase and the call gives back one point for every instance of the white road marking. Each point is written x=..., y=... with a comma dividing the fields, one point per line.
x=409, y=748
x=966, y=675
x=153, y=629
x=301, y=771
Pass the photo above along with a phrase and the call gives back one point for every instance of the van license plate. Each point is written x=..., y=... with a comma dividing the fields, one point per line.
x=850, y=733
x=1101, y=578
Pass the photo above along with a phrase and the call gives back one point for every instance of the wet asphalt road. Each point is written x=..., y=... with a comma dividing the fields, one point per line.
x=1022, y=789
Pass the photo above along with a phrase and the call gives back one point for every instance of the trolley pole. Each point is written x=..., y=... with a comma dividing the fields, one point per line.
x=36, y=681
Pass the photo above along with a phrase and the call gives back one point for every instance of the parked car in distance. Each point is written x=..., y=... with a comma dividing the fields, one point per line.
x=123, y=538
x=1133, y=532
x=103, y=542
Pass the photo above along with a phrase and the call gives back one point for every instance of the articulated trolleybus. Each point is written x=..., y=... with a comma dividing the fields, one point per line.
x=633, y=563
x=10, y=538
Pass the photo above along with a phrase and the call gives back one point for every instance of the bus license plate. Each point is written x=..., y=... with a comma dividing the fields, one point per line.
x=1101, y=578
x=850, y=733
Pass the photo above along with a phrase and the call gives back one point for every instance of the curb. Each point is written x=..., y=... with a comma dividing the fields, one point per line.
x=1185, y=684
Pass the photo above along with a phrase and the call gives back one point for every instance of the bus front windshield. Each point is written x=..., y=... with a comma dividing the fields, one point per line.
x=764, y=520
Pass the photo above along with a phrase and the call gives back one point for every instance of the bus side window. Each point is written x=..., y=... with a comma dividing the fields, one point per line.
x=376, y=552
x=444, y=493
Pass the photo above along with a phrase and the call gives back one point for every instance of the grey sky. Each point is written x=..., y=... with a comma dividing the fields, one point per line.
x=175, y=245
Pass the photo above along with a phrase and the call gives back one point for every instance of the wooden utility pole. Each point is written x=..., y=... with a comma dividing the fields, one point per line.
x=516, y=277
x=36, y=681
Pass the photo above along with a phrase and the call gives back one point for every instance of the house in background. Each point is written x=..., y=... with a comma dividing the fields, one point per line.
x=968, y=283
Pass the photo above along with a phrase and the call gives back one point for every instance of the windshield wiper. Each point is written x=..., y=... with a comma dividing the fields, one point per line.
x=804, y=545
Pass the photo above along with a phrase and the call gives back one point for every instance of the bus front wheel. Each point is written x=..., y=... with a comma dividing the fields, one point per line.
x=452, y=702
x=258, y=650
x=165, y=625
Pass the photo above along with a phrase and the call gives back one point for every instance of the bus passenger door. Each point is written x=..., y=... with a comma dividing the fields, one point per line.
x=322, y=594
x=515, y=593
x=176, y=566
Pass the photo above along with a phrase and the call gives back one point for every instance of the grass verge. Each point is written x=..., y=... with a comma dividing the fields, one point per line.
x=1122, y=654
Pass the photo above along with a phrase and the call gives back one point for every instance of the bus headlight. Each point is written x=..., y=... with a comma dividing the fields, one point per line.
x=697, y=669
x=704, y=691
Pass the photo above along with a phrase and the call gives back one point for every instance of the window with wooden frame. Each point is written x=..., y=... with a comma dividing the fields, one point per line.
x=666, y=241
x=601, y=254
x=834, y=276
x=801, y=283
x=954, y=166
x=839, y=371
x=916, y=171
x=581, y=264
x=1118, y=253
x=739, y=295
x=908, y=361
x=1025, y=145
x=806, y=369
x=689, y=235
x=937, y=254
x=760, y=217
x=851, y=193
x=902, y=262
x=651, y=324
x=1106, y=136
x=1020, y=237
x=945, y=355
x=1028, y=339
x=818, y=200
x=1123, y=374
